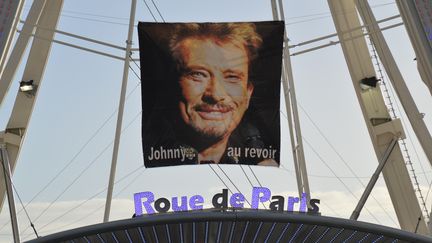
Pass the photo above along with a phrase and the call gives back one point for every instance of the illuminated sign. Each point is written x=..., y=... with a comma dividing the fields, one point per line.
x=145, y=202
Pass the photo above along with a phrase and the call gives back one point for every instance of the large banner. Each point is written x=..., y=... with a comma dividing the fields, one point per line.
x=211, y=92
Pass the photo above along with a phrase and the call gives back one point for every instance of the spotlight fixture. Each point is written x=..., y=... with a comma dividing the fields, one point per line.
x=368, y=83
x=26, y=86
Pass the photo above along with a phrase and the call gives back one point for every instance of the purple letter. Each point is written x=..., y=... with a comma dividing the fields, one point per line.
x=182, y=207
x=139, y=203
x=257, y=198
x=291, y=202
x=303, y=204
x=237, y=200
x=194, y=200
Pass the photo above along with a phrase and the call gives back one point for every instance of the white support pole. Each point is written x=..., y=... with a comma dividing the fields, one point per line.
x=356, y=213
x=288, y=70
x=292, y=112
x=274, y=10
x=8, y=181
x=288, y=111
x=120, y=113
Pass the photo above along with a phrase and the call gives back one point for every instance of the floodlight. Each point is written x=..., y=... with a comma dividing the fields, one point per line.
x=368, y=83
x=26, y=86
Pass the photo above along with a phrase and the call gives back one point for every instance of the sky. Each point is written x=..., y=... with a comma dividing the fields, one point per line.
x=73, y=122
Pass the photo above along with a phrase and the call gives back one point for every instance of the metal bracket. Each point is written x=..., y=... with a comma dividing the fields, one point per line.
x=394, y=127
x=8, y=137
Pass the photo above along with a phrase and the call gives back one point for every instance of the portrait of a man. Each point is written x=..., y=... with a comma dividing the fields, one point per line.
x=206, y=98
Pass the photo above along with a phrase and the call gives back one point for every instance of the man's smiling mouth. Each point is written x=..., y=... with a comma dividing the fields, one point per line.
x=213, y=112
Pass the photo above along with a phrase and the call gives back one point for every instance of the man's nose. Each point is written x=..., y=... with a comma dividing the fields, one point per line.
x=215, y=91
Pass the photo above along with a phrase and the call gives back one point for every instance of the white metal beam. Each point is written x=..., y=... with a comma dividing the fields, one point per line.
x=382, y=129
x=82, y=48
x=120, y=113
x=292, y=110
x=82, y=38
x=34, y=70
x=395, y=76
x=332, y=43
x=335, y=34
x=20, y=46
x=9, y=25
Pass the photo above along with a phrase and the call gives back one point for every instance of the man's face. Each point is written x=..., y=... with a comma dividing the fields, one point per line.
x=214, y=85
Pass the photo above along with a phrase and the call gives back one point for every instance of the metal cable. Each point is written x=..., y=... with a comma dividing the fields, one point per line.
x=126, y=24
x=136, y=64
x=7, y=177
x=430, y=187
x=250, y=182
x=87, y=14
x=220, y=178
x=340, y=180
x=74, y=157
x=130, y=58
x=325, y=204
x=94, y=20
x=84, y=170
x=72, y=183
x=345, y=163
x=87, y=200
x=256, y=178
x=335, y=175
x=332, y=177
x=25, y=210
x=95, y=195
x=95, y=15
x=218, y=165
x=148, y=8
x=327, y=15
x=130, y=67
x=85, y=146
x=157, y=9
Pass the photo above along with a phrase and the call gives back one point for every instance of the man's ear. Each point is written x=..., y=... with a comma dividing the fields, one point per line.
x=250, y=88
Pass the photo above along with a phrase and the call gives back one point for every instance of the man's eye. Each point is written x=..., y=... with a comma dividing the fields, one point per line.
x=198, y=75
x=233, y=78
